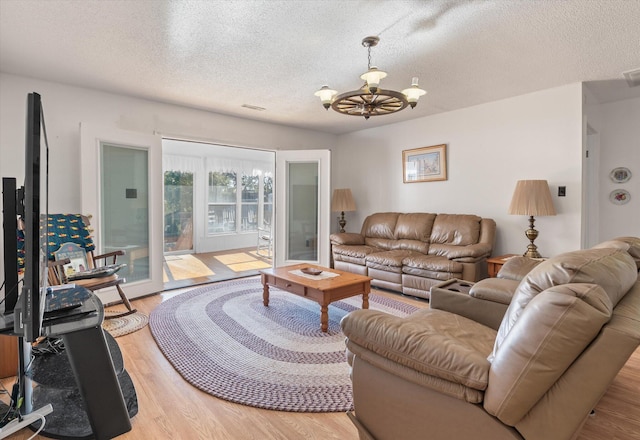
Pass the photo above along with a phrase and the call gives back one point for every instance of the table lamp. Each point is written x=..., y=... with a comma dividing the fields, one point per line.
x=342, y=201
x=532, y=197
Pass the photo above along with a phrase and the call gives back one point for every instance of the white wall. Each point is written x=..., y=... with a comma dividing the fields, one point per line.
x=489, y=148
x=619, y=147
x=65, y=107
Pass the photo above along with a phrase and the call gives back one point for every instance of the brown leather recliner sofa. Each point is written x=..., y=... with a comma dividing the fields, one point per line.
x=411, y=252
x=572, y=324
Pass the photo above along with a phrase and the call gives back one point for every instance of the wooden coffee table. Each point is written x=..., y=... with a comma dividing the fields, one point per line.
x=321, y=290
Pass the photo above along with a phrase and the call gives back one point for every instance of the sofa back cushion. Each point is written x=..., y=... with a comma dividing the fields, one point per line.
x=553, y=330
x=415, y=226
x=630, y=244
x=455, y=229
x=413, y=231
x=380, y=225
x=378, y=230
x=612, y=269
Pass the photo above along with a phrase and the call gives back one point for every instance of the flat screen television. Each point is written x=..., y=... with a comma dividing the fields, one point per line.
x=29, y=308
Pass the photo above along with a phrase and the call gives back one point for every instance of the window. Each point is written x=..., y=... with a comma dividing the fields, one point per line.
x=222, y=202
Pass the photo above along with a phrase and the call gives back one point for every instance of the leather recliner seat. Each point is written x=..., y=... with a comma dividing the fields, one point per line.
x=573, y=322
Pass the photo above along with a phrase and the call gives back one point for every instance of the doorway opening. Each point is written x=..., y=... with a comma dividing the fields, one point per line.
x=218, y=212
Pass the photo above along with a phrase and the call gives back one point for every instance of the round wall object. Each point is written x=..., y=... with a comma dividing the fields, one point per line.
x=620, y=175
x=619, y=196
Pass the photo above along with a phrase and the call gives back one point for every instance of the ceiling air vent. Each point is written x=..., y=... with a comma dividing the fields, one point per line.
x=632, y=77
x=253, y=107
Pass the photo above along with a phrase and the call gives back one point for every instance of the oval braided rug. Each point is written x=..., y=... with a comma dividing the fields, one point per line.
x=223, y=340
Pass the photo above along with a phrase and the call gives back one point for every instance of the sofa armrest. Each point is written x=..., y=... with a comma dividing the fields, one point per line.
x=347, y=238
x=516, y=268
x=428, y=341
x=498, y=290
x=485, y=302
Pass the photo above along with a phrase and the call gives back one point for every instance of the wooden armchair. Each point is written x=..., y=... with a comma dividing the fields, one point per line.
x=71, y=231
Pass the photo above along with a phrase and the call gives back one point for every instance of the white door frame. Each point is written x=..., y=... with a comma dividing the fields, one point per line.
x=323, y=159
x=91, y=139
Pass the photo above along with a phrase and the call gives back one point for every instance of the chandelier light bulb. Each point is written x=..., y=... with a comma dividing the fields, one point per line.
x=413, y=93
x=326, y=96
x=373, y=77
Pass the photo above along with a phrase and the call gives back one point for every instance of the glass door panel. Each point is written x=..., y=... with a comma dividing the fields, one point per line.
x=125, y=207
x=302, y=208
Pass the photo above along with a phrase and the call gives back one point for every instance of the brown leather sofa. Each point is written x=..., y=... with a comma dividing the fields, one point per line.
x=411, y=252
x=573, y=322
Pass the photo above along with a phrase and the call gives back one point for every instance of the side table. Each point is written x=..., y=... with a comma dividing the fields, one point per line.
x=494, y=264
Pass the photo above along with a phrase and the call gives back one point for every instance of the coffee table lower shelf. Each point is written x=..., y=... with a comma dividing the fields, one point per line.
x=322, y=291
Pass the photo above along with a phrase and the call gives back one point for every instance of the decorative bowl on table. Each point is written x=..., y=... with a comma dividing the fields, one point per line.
x=311, y=271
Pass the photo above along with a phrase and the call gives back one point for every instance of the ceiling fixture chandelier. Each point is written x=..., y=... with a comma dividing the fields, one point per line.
x=370, y=100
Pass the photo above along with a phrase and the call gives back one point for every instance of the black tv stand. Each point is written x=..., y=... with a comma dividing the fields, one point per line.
x=93, y=369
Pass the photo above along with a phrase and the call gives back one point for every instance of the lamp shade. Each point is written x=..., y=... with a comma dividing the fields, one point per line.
x=532, y=197
x=342, y=200
x=414, y=92
x=326, y=95
x=373, y=77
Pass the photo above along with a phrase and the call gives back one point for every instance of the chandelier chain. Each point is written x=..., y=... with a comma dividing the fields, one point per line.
x=369, y=58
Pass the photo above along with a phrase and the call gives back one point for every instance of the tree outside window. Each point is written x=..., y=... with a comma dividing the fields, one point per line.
x=178, y=211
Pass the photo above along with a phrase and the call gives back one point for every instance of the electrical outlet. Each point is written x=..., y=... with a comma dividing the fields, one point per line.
x=562, y=191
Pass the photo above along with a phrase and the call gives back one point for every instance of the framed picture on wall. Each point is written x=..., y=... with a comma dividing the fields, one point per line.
x=425, y=164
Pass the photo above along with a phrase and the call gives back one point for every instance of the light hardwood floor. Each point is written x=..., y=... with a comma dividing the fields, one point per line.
x=170, y=408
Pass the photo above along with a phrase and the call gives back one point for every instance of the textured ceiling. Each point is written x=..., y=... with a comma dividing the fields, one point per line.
x=219, y=55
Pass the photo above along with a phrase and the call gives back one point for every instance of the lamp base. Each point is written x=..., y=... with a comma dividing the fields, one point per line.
x=532, y=252
x=532, y=234
x=342, y=222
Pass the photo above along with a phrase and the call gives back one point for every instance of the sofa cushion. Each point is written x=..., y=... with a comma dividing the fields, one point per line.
x=380, y=243
x=414, y=226
x=553, y=330
x=611, y=268
x=432, y=342
x=516, y=268
x=429, y=263
x=630, y=244
x=387, y=259
x=468, y=253
x=380, y=225
x=456, y=229
x=411, y=245
x=351, y=253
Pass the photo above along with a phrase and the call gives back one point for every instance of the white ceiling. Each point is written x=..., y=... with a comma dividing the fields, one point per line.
x=219, y=55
